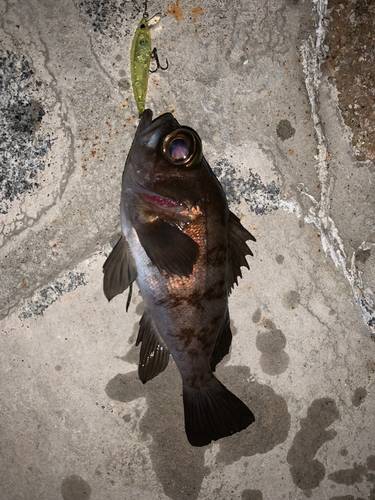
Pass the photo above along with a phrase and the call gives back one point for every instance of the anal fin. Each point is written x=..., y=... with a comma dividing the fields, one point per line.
x=154, y=355
x=212, y=412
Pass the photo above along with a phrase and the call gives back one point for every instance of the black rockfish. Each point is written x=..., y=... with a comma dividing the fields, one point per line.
x=185, y=249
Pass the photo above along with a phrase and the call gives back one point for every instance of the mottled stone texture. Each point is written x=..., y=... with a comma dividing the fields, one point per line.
x=351, y=65
x=21, y=147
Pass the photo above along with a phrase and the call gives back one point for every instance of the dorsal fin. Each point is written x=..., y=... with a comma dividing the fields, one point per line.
x=238, y=249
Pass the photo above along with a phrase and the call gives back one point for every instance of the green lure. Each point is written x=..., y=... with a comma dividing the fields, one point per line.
x=140, y=58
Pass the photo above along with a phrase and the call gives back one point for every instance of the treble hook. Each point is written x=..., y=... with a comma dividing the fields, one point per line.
x=154, y=56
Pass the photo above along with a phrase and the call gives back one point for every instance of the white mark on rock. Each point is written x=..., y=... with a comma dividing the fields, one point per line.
x=313, y=55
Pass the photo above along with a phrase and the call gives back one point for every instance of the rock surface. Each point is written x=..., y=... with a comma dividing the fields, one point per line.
x=281, y=93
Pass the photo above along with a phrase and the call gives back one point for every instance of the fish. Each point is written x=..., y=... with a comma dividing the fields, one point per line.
x=185, y=249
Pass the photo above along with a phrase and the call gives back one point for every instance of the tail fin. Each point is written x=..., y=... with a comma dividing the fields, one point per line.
x=213, y=412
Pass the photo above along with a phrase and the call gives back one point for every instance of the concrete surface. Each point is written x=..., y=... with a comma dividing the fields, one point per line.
x=281, y=93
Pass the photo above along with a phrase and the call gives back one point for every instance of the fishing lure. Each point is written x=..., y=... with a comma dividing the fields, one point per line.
x=140, y=58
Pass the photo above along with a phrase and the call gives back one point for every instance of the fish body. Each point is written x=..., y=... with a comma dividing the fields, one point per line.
x=185, y=249
x=140, y=57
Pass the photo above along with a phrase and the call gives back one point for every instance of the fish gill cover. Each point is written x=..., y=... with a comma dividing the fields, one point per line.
x=20, y=149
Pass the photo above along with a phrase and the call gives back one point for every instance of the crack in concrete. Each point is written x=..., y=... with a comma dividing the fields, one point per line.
x=313, y=54
x=314, y=315
x=62, y=114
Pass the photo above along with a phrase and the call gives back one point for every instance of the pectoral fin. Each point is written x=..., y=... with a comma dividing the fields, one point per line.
x=238, y=249
x=168, y=248
x=119, y=270
x=154, y=355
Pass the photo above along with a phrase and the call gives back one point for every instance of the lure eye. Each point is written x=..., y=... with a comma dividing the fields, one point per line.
x=182, y=147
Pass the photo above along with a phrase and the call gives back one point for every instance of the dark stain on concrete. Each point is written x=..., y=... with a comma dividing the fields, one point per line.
x=365, y=259
x=371, y=478
x=234, y=331
x=75, y=488
x=284, y=130
x=358, y=397
x=257, y=316
x=346, y=497
x=307, y=472
x=251, y=495
x=371, y=462
x=164, y=421
x=271, y=343
x=272, y=418
x=279, y=259
x=362, y=255
x=133, y=338
x=291, y=299
x=351, y=66
x=126, y=387
x=140, y=309
x=349, y=476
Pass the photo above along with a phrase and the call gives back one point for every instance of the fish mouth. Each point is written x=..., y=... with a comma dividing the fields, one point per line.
x=159, y=200
x=152, y=198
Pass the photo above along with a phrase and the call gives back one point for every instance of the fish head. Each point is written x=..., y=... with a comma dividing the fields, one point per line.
x=165, y=162
x=170, y=196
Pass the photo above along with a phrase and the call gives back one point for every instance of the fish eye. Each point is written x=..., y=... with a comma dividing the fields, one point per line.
x=178, y=149
x=182, y=147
